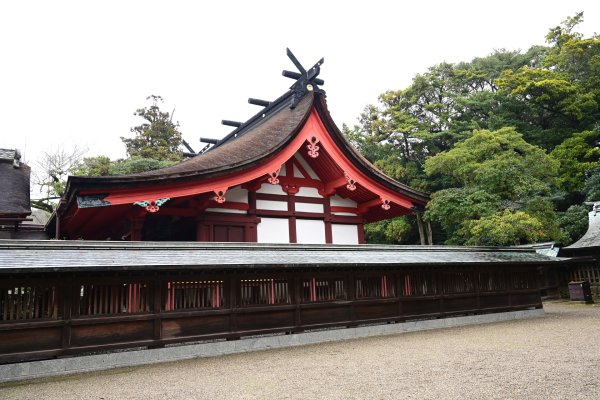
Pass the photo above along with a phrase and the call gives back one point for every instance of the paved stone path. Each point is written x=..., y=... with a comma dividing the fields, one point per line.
x=552, y=357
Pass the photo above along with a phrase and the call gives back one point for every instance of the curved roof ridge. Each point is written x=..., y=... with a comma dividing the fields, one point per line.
x=262, y=135
x=344, y=143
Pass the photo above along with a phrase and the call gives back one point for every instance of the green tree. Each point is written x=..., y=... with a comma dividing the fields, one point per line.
x=103, y=166
x=561, y=94
x=498, y=178
x=577, y=156
x=499, y=162
x=450, y=208
x=574, y=222
x=504, y=228
x=394, y=231
x=157, y=138
x=549, y=94
x=591, y=189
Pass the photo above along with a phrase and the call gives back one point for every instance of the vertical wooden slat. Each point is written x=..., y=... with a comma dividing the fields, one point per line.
x=157, y=300
x=70, y=291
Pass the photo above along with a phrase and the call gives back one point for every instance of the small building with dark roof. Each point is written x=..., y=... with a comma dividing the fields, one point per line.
x=14, y=199
x=16, y=216
x=585, y=253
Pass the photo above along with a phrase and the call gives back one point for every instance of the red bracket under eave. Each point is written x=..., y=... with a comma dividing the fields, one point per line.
x=312, y=132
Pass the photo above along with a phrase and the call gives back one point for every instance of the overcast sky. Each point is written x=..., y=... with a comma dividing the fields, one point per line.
x=74, y=72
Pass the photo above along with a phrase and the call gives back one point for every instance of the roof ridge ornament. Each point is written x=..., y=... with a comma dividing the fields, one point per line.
x=306, y=80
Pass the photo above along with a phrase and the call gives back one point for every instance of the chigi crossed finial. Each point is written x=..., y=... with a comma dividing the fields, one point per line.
x=306, y=80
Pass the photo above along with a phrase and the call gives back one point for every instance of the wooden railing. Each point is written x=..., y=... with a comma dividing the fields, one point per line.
x=57, y=315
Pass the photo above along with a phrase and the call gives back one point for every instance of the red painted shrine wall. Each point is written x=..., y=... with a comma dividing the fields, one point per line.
x=281, y=213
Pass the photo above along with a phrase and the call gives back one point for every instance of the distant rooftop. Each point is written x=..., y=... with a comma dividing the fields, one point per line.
x=14, y=175
x=592, y=236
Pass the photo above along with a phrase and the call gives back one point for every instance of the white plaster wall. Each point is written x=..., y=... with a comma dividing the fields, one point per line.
x=342, y=202
x=307, y=167
x=226, y=210
x=308, y=192
x=283, y=171
x=270, y=189
x=310, y=231
x=309, y=207
x=271, y=205
x=237, y=194
x=345, y=214
x=344, y=234
x=273, y=230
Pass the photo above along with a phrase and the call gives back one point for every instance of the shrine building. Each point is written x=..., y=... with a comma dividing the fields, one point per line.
x=287, y=175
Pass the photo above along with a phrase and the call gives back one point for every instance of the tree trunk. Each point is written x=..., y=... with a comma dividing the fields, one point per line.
x=421, y=230
x=429, y=233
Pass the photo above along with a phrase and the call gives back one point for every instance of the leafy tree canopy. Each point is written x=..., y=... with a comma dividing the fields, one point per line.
x=591, y=189
x=103, y=166
x=574, y=222
x=158, y=137
x=578, y=155
x=504, y=229
x=499, y=162
x=499, y=178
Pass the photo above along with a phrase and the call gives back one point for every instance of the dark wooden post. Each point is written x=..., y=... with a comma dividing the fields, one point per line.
x=57, y=227
x=437, y=276
x=70, y=293
x=157, y=303
x=350, y=277
x=399, y=294
x=476, y=273
x=233, y=284
x=296, y=289
x=507, y=274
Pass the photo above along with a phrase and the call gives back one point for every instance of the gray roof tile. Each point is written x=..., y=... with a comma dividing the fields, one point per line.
x=79, y=255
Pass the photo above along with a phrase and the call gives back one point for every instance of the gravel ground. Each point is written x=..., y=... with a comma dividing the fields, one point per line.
x=556, y=356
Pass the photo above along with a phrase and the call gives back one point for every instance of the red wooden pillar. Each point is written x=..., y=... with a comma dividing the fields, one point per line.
x=361, y=233
x=252, y=229
x=292, y=219
x=203, y=231
x=328, y=228
x=136, y=229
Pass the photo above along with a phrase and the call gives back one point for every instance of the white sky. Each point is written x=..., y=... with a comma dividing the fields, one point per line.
x=74, y=72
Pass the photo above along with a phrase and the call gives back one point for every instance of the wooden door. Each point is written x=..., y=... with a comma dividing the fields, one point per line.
x=229, y=233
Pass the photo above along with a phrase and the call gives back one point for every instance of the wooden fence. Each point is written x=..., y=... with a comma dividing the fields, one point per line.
x=50, y=315
x=587, y=272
